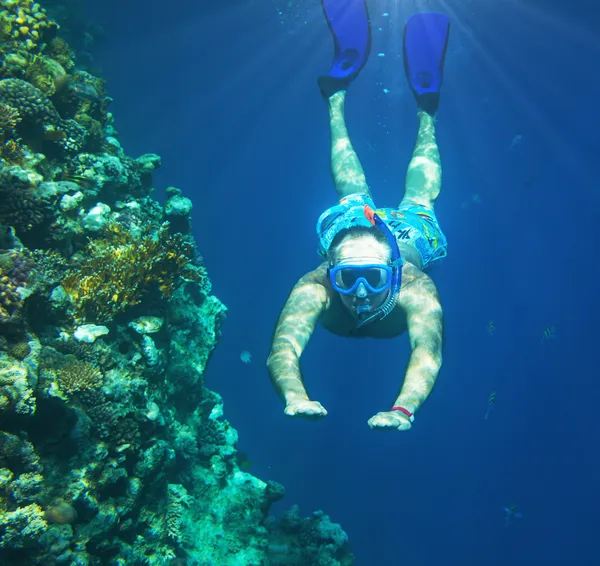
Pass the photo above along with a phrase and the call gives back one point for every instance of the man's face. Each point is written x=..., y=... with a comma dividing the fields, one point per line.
x=362, y=250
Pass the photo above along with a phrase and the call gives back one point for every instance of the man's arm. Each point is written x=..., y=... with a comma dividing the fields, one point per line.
x=424, y=320
x=295, y=326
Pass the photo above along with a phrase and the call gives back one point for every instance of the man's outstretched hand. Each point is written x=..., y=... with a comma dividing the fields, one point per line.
x=306, y=409
x=390, y=420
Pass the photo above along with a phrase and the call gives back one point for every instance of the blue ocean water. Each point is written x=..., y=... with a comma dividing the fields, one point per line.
x=226, y=93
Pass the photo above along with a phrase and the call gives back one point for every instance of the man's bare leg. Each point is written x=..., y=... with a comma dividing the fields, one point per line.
x=424, y=174
x=348, y=174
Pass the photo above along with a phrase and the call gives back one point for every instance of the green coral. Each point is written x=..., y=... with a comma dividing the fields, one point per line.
x=117, y=271
x=25, y=25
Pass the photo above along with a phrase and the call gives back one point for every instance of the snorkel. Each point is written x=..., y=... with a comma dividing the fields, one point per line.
x=396, y=263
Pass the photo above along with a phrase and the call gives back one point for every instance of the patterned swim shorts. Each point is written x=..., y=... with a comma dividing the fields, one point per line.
x=412, y=224
x=418, y=226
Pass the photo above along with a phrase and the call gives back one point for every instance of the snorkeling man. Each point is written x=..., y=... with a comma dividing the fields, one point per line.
x=372, y=282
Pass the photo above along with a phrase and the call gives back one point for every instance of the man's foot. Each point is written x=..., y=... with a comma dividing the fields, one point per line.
x=390, y=420
x=304, y=408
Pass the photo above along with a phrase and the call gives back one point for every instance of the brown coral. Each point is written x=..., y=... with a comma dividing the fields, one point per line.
x=12, y=152
x=119, y=269
x=9, y=118
x=60, y=512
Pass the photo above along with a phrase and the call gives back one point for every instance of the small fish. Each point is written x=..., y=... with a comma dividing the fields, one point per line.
x=549, y=333
x=490, y=405
x=511, y=513
x=246, y=357
x=517, y=139
x=476, y=198
x=491, y=327
x=81, y=180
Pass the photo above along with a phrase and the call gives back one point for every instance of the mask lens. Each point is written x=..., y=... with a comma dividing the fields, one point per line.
x=348, y=278
x=375, y=277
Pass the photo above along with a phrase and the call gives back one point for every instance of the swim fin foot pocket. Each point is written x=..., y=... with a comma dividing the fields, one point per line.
x=330, y=85
x=428, y=102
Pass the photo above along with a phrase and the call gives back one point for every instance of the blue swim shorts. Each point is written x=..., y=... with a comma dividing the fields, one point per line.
x=412, y=224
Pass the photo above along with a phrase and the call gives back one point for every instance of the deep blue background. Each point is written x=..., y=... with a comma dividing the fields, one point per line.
x=225, y=92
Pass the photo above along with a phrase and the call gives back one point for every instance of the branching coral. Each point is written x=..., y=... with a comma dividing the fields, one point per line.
x=10, y=146
x=178, y=500
x=49, y=265
x=12, y=152
x=118, y=270
x=75, y=376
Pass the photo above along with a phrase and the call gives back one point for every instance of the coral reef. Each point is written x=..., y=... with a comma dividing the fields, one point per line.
x=112, y=450
x=312, y=540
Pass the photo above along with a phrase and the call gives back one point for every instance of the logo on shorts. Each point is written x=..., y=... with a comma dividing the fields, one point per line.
x=400, y=234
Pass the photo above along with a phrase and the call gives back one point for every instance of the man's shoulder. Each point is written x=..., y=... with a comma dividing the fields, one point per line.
x=415, y=283
x=317, y=276
x=411, y=273
x=315, y=284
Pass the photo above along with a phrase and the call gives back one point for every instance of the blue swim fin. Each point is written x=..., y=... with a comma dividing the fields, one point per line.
x=425, y=42
x=350, y=27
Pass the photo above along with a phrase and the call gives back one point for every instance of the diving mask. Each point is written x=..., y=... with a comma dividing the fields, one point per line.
x=346, y=278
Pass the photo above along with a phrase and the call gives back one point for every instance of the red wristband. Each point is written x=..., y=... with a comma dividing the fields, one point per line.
x=410, y=416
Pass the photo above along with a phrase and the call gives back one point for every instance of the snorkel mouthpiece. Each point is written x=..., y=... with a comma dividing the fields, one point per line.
x=361, y=309
x=388, y=306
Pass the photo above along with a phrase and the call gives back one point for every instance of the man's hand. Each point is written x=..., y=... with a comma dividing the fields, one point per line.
x=304, y=408
x=390, y=420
